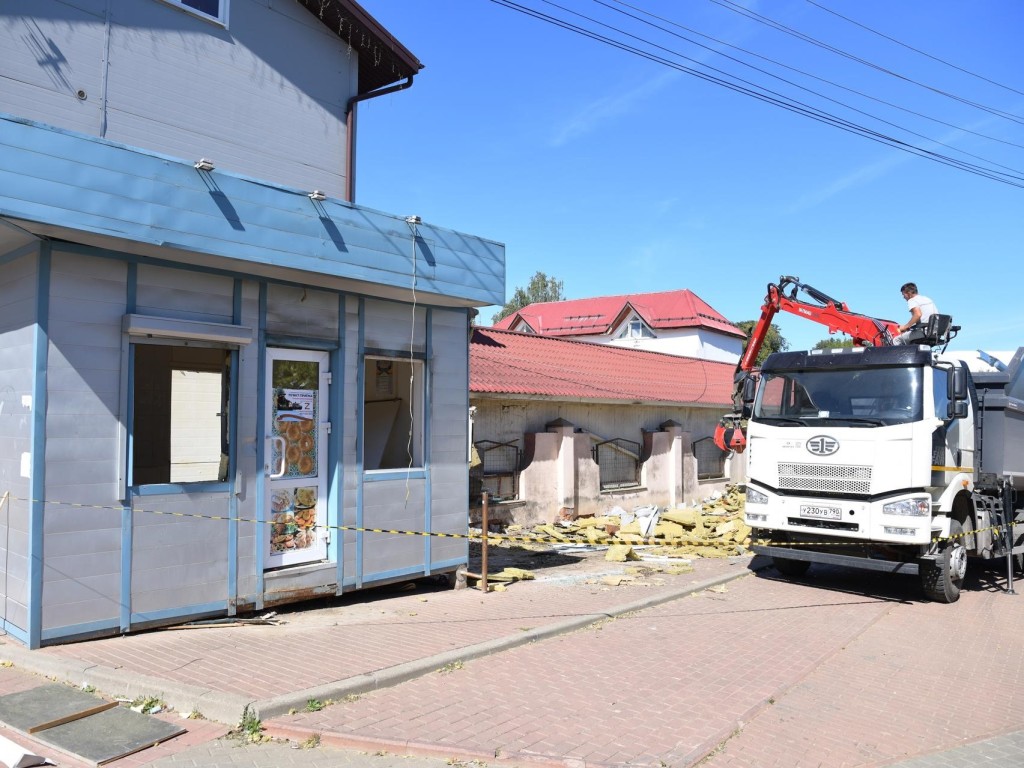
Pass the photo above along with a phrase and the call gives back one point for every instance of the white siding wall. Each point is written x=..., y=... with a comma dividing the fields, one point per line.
x=17, y=320
x=81, y=576
x=688, y=342
x=277, y=79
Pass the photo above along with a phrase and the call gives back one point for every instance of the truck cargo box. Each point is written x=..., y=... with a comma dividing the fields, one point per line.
x=1001, y=398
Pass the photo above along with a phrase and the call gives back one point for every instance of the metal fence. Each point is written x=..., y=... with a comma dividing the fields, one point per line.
x=618, y=462
x=498, y=471
x=710, y=459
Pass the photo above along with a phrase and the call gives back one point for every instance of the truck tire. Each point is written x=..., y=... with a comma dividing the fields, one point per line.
x=942, y=578
x=787, y=567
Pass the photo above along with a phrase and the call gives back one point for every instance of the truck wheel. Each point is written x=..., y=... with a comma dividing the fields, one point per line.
x=942, y=577
x=789, y=567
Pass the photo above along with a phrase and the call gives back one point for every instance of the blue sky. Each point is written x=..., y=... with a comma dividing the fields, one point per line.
x=618, y=174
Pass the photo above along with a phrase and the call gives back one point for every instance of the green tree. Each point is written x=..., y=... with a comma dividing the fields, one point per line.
x=541, y=288
x=774, y=341
x=833, y=343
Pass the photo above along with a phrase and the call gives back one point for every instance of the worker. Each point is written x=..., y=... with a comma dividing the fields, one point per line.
x=921, y=308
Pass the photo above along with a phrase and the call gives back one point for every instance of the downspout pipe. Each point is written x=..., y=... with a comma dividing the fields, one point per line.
x=350, y=132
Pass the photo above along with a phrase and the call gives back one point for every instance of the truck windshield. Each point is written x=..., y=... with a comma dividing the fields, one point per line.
x=871, y=397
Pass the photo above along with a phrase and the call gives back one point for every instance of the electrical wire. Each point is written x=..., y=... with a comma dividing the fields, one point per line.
x=770, y=97
x=915, y=50
x=736, y=8
x=799, y=71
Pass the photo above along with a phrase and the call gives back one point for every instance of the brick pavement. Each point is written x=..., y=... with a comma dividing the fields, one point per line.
x=736, y=677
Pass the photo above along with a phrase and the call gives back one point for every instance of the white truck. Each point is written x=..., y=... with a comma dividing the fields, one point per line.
x=891, y=458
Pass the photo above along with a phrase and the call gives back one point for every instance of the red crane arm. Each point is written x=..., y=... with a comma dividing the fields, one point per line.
x=835, y=315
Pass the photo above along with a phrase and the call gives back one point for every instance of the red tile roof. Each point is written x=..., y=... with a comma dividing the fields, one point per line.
x=579, y=317
x=512, y=363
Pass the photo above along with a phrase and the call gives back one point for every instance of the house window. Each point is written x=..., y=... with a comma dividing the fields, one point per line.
x=618, y=463
x=180, y=414
x=215, y=10
x=636, y=329
x=710, y=459
x=392, y=413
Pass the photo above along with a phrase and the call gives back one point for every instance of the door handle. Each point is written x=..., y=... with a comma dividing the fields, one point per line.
x=282, y=466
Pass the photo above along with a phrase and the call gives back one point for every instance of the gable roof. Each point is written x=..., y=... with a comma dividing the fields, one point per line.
x=529, y=365
x=602, y=315
x=382, y=59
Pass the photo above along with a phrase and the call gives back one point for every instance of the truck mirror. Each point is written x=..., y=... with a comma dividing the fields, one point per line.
x=749, y=390
x=956, y=409
x=956, y=385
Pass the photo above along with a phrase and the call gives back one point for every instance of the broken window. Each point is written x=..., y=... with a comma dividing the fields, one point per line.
x=179, y=414
x=392, y=413
x=618, y=463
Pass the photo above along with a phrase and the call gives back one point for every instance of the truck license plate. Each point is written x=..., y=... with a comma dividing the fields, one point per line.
x=822, y=513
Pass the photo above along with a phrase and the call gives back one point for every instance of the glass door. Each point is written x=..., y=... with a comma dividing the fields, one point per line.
x=296, y=453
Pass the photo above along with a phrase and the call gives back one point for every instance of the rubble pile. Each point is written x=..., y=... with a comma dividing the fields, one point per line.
x=714, y=527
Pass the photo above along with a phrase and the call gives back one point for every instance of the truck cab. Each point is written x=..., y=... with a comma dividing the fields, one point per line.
x=868, y=456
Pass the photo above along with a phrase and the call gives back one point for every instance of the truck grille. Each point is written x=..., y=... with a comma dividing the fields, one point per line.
x=825, y=478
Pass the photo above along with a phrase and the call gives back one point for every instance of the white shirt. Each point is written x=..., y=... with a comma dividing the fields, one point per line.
x=926, y=305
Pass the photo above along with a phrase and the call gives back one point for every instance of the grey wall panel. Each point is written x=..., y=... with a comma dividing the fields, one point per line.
x=180, y=293
x=302, y=312
x=44, y=67
x=175, y=82
x=178, y=560
x=394, y=325
x=68, y=601
x=172, y=82
x=385, y=506
x=17, y=365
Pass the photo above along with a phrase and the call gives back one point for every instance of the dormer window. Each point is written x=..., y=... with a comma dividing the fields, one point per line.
x=636, y=329
x=213, y=10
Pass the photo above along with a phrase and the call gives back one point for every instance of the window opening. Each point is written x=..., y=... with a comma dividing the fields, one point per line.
x=498, y=470
x=180, y=406
x=392, y=413
x=217, y=10
x=618, y=462
x=710, y=459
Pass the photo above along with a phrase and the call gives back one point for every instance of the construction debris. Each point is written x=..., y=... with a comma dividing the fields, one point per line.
x=713, y=527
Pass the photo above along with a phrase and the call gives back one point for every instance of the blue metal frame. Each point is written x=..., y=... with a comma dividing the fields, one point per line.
x=37, y=484
x=336, y=447
x=260, y=539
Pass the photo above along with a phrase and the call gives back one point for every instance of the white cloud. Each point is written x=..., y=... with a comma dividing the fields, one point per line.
x=593, y=115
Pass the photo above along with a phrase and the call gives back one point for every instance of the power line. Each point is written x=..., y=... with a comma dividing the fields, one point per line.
x=765, y=95
x=799, y=71
x=915, y=50
x=777, y=77
x=735, y=8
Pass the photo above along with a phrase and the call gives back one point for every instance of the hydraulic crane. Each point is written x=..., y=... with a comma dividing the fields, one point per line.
x=819, y=308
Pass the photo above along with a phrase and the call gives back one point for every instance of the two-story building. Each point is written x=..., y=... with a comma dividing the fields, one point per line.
x=220, y=378
x=675, y=322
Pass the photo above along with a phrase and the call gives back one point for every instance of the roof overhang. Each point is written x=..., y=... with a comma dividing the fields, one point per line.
x=382, y=59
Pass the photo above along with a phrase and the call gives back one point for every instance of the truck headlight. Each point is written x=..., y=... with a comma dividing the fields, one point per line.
x=756, y=497
x=912, y=507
